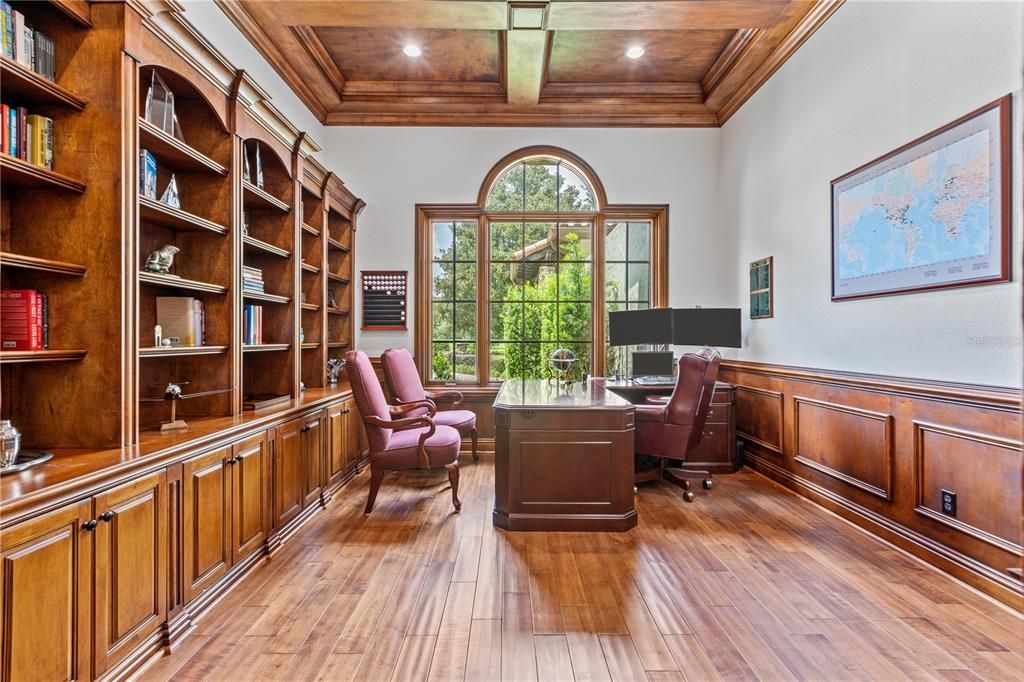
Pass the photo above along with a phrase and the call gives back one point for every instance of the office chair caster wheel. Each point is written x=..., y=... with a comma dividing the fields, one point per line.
x=688, y=496
x=706, y=483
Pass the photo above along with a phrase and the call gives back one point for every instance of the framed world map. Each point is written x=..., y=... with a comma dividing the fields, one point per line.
x=933, y=213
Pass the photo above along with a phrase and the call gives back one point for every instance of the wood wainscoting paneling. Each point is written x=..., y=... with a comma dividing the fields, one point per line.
x=879, y=450
x=847, y=443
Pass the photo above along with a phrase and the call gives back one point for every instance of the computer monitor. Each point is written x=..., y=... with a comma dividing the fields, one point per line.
x=652, y=364
x=637, y=327
x=706, y=327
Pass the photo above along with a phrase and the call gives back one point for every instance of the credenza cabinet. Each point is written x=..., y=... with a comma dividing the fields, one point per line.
x=84, y=585
x=98, y=586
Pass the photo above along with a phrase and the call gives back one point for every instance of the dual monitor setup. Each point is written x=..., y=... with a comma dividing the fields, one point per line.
x=718, y=327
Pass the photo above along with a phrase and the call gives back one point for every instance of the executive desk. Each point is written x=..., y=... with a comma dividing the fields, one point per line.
x=717, y=450
x=563, y=457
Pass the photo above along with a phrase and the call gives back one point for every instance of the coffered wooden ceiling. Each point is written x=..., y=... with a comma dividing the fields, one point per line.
x=490, y=62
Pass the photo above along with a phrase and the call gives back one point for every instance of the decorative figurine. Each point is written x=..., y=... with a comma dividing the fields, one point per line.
x=334, y=367
x=172, y=394
x=161, y=260
x=10, y=443
x=170, y=196
x=331, y=301
x=158, y=335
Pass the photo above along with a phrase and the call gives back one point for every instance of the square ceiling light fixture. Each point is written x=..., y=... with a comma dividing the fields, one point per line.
x=527, y=16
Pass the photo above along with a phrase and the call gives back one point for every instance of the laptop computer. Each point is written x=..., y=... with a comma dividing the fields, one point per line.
x=652, y=367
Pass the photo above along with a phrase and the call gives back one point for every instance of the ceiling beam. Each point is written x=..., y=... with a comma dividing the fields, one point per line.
x=666, y=15
x=525, y=52
x=488, y=15
x=635, y=93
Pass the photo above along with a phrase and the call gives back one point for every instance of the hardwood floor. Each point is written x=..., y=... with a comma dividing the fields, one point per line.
x=748, y=582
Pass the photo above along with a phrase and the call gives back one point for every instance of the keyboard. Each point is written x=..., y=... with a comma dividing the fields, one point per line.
x=653, y=381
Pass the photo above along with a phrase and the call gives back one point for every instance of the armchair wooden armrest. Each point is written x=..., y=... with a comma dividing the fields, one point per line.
x=405, y=424
x=405, y=408
x=657, y=399
x=452, y=396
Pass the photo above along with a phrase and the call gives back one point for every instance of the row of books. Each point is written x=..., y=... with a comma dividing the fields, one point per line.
x=25, y=136
x=182, y=320
x=24, y=320
x=252, y=324
x=252, y=279
x=25, y=45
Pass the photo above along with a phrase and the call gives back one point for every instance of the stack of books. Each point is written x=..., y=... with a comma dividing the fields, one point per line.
x=182, y=320
x=24, y=320
x=252, y=280
x=252, y=324
x=25, y=45
x=26, y=137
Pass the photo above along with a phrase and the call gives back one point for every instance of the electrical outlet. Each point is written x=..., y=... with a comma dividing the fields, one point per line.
x=948, y=503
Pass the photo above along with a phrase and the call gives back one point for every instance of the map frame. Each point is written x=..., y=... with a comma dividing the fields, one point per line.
x=996, y=118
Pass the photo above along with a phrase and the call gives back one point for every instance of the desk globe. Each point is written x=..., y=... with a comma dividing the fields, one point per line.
x=561, y=364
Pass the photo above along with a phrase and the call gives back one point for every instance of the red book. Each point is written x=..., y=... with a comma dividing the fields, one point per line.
x=5, y=138
x=22, y=134
x=20, y=313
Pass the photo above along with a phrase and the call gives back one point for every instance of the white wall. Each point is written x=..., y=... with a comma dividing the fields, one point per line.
x=875, y=76
x=393, y=169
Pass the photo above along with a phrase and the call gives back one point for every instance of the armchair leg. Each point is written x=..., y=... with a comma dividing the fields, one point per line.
x=473, y=435
x=376, y=476
x=453, y=478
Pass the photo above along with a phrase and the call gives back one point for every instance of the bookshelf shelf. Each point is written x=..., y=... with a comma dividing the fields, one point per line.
x=337, y=311
x=179, y=351
x=337, y=246
x=266, y=347
x=310, y=268
x=268, y=298
x=24, y=174
x=310, y=346
x=55, y=267
x=262, y=246
x=152, y=211
x=310, y=306
x=310, y=230
x=174, y=153
x=338, y=344
x=338, y=278
x=36, y=356
x=172, y=282
x=254, y=197
x=29, y=87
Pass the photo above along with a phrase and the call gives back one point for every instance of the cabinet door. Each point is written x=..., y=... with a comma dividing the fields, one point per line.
x=250, y=478
x=289, y=472
x=130, y=566
x=313, y=454
x=336, y=460
x=206, y=514
x=45, y=597
x=354, y=436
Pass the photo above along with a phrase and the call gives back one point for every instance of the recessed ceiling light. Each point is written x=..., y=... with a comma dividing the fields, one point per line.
x=412, y=50
x=635, y=52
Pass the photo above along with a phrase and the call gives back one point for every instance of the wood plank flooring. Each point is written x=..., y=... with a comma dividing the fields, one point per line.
x=748, y=582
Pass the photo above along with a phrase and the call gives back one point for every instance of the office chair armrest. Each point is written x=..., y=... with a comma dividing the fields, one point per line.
x=453, y=397
x=650, y=413
x=657, y=399
x=405, y=408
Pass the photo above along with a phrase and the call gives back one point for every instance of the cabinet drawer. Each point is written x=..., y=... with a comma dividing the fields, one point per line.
x=719, y=413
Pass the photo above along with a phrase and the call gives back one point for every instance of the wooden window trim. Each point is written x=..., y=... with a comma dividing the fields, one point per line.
x=426, y=214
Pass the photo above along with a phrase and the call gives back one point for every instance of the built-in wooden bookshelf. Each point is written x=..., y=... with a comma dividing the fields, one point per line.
x=341, y=216
x=80, y=232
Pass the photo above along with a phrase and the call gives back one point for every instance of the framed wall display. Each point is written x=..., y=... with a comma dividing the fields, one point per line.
x=384, y=299
x=761, y=304
x=934, y=213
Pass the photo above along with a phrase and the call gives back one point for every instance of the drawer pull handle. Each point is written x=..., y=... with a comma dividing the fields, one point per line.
x=90, y=524
x=107, y=516
x=233, y=460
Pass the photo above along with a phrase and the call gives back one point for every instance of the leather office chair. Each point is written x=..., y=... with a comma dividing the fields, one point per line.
x=671, y=429
x=405, y=386
x=398, y=441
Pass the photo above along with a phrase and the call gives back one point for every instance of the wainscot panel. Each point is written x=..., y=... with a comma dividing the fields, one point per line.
x=933, y=467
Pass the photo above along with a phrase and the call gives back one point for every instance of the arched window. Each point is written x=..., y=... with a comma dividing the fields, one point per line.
x=528, y=270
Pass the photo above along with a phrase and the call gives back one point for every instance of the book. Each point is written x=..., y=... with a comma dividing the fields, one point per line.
x=8, y=31
x=21, y=325
x=12, y=131
x=22, y=134
x=147, y=174
x=176, y=317
x=19, y=39
x=44, y=50
x=5, y=129
x=39, y=150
